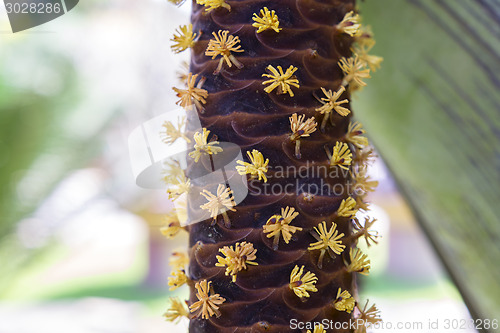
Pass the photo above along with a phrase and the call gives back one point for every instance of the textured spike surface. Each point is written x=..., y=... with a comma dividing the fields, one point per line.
x=238, y=110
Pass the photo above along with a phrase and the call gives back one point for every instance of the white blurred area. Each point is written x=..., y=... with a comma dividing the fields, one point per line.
x=88, y=315
x=105, y=228
x=102, y=228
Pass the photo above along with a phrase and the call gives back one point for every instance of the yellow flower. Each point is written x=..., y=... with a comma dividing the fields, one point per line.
x=349, y=24
x=213, y=4
x=362, y=185
x=359, y=262
x=223, y=45
x=202, y=146
x=266, y=20
x=177, y=279
x=172, y=171
x=281, y=80
x=177, y=2
x=176, y=311
x=172, y=225
x=192, y=95
x=365, y=37
x=361, y=203
x=354, y=71
x=347, y=208
x=327, y=241
x=182, y=185
x=318, y=329
x=172, y=133
x=207, y=304
x=178, y=260
x=330, y=103
x=367, y=315
x=237, y=259
x=184, y=39
x=256, y=167
x=354, y=135
x=171, y=230
x=181, y=209
x=344, y=301
x=183, y=72
x=301, y=129
x=220, y=202
x=365, y=156
x=280, y=225
x=341, y=156
x=364, y=231
x=373, y=62
x=301, y=285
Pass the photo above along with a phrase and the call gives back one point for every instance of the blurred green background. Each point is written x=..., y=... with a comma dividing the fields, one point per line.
x=79, y=241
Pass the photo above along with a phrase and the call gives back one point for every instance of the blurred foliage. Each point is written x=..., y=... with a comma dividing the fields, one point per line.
x=39, y=92
x=104, y=284
x=27, y=130
x=433, y=112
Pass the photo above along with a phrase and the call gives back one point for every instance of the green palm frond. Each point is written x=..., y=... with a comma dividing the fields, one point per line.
x=434, y=115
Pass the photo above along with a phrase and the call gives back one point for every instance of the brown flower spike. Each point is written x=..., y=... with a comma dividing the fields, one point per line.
x=299, y=71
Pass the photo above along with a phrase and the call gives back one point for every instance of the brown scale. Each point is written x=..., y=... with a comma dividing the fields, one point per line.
x=239, y=111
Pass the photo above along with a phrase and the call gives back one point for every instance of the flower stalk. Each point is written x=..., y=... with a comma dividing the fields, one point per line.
x=275, y=257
